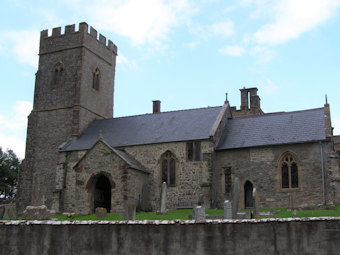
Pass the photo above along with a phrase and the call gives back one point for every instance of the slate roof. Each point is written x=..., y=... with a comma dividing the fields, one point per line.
x=274, y=129
x=162, y=127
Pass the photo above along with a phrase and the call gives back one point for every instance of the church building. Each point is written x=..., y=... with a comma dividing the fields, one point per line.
x=79, y=157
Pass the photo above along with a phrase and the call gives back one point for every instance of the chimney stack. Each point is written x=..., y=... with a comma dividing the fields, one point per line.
x=156, y=106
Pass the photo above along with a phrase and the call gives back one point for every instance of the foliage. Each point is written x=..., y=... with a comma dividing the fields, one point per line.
x=9, y=164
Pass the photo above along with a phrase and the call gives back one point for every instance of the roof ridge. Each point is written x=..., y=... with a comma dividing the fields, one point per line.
x=147, y=114
x=277, y=113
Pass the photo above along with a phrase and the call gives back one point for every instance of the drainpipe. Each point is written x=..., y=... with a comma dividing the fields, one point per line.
x=323, y=175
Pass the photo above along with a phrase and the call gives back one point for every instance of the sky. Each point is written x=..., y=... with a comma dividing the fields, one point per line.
x=186, y=53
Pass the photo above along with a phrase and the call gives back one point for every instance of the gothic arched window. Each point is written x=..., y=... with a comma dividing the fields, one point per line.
x=168, y=168
x=289, y=171
x=57, y=74
x=96, y=79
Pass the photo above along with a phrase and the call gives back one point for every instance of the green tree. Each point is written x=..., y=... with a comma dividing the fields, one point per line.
x=9, y=164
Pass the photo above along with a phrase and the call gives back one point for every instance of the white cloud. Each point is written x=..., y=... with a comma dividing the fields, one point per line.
x=192, y=45
x=23, y=44
x=263, y=54
x=294, y=17
x=13, y=125
x=336, y=125
x=268, y=87
x=232, y=50
x=122, y=60
x=224, y=29
x=148, y=21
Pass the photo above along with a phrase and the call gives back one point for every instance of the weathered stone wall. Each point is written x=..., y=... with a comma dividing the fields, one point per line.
x=66, y=109
x=192, y=177
x=126, y=183
x=314, y=236
x=260, y=166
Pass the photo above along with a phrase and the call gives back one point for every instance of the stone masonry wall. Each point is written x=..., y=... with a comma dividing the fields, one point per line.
x=260, y=166
x=190, y=175
x=126, y=183
x=313, y=236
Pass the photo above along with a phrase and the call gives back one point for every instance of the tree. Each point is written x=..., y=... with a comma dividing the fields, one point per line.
x=9, y=164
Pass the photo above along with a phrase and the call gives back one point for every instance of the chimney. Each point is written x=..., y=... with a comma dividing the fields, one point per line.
x=244, y=99
x=254, y=98
x=156, y=106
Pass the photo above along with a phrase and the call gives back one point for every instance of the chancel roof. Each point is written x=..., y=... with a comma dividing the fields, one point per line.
x=162, y=127
x=274, y=129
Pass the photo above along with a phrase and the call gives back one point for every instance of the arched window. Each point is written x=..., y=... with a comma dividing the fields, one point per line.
x=289, y=171
x=168, y=168
x=57, y=74
x=96, y=79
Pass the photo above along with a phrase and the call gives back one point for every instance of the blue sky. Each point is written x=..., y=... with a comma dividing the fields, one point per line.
x=186, y=53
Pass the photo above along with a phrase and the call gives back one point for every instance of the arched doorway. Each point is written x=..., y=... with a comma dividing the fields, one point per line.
x=248, y=195
x=102, y=193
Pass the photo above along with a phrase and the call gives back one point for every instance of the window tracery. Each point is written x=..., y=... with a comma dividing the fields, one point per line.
x=168, y=168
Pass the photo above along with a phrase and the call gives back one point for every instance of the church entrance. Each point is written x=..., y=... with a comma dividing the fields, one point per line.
x=102, y=193
x=248, y=195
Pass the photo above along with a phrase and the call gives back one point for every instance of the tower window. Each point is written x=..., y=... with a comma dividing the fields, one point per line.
x=96, y=79
x=57, y=75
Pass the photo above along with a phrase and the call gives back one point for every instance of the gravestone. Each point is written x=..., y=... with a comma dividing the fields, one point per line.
x=235, y=196
x=2, y=211
x=271, y=213
x=36, y=213
x=227, y=210
x=256, y=204
x=163, y=199
x=294, y=214
x=101, y=212
x=199, y=213
x=12, y=212
x=130, y=211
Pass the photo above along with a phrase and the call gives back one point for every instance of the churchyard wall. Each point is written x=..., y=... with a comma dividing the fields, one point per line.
x=275, y=236
x=260, y=166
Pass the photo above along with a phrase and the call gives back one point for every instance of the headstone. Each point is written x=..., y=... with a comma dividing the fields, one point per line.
x=130, y=211
x=294, y=214
x=244, y=215
x=199, y=212
x=256, y=204
x=227, y=210
x=12, y=212
x=271, y=213
x=2, y=211
x=43, y=200
x=235, y=196
x=36, y=213
x=163, y=199
x=101, y=212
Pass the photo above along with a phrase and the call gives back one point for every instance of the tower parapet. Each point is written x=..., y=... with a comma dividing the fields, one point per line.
x=73, y=39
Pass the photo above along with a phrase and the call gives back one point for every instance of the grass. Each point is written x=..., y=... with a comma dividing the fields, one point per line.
x=183, y=214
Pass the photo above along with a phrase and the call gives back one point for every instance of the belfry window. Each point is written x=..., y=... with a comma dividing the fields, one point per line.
x=57, y=75
x=96, y=79
x=289, y=171
x=168, y=168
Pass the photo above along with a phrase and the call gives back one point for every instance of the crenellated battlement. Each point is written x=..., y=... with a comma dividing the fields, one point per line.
x=82, y=36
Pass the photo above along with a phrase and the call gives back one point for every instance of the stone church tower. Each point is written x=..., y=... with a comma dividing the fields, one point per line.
x=74, y=85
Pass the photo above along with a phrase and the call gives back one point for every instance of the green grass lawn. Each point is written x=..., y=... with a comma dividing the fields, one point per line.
x=183, y=214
